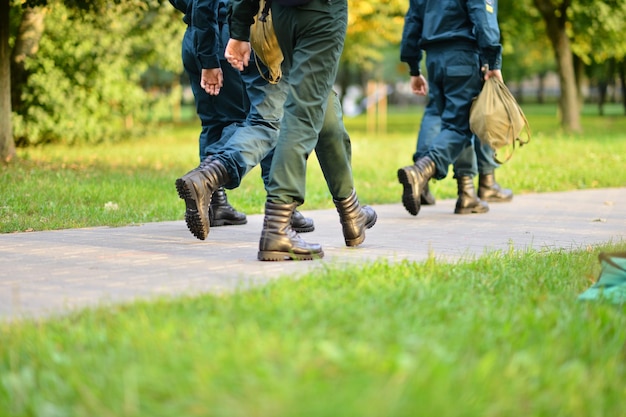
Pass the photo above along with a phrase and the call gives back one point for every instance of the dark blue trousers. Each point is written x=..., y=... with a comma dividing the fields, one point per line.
x=454, y=79
x=215, y=112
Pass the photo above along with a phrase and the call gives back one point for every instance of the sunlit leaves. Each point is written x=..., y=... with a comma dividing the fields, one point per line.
x=372, y=26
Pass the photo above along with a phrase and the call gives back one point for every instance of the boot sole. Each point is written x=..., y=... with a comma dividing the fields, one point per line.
x=218, y=223
x=198, y=226
x=224, y=221
x=288, y=256
x=303, y=229
x=471, y=211
x=410, y=199
x=496, y=199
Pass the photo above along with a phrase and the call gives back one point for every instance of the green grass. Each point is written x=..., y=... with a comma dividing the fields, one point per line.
x=130, y=183
x=500, y=335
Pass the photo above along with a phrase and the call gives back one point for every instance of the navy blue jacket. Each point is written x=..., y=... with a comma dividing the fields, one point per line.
x=206, y=17
x=431, y=24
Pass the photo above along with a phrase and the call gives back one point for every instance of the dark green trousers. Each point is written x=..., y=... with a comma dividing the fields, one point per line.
x=311, y=38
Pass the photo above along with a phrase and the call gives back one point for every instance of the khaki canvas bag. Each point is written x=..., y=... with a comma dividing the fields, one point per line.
x=497, y=120
x=265, y=45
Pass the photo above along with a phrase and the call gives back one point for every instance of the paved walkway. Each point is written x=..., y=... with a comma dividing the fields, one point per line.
x=51, y=272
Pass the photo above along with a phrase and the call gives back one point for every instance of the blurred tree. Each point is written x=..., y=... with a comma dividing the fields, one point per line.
x=581, y=29
x=30, y=28
x=372, y=27
x=77, y=68
x=524, y=46
x=7, y=145
x=599, y=43
x=601, y=76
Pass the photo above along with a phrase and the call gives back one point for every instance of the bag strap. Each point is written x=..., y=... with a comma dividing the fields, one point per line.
x=266, y=10
x=269, y=78
x=509, y=95
x=504, y=91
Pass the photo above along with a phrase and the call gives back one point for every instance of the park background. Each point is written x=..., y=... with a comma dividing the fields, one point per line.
x=94, y=97
x=96, y=122
x=104, y=71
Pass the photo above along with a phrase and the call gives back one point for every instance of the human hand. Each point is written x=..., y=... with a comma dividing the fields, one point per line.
x=237, y=53
x=493, y=73
x=212, y=80
x=419, y=85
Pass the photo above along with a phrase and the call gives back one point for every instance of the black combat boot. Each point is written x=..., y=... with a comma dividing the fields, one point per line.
x=221, y=213
x=414, y=178
x=279, y=242
x=426, y=197
x=468, y=203
x=489, y=190
x=196, y=187
x=354, y=219
x=301, y=224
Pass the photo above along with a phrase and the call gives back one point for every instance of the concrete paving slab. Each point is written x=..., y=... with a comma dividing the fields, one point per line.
x=51, y=272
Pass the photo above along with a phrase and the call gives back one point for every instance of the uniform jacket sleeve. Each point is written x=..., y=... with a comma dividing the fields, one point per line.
x=204, y=19
x=242, y=16
x=180, y=5
x=484, y=16
x=410, y=50
x=185, y=7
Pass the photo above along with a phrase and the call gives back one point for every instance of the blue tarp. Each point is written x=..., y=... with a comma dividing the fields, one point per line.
x=611, y=283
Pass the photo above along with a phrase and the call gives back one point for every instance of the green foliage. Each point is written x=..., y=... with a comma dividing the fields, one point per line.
x=597, y=31
x=372, y=27
x=524, y=42
x=85, y=83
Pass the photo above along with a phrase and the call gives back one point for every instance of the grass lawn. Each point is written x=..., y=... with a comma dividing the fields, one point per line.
x=501, y=335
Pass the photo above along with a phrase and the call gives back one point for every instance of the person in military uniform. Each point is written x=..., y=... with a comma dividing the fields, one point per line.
x=232, y=106
x=460, y=39
x=311, y=36
x=203, y=59
x=475, y=160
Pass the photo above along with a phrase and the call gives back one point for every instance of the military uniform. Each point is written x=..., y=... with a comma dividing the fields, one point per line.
x=311, y=36
x=309, y=68
x=203, y=48
x=476, y=159
x=459, y=37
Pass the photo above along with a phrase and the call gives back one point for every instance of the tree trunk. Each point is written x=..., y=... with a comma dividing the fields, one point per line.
x=519, y=92
x=7, y=144
x=556, y=19
x=541, y=89
x=579, y=75
x=610, y=74
x=602, y=90
x=622, y=77
x=26, y=45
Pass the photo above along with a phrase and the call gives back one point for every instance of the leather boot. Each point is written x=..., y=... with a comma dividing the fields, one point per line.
x=489, y=190
x=196, y=187
x=354, y=219
x=221, y=213
x=414, y=178
x=426, y=197
x=301, y=224
x=468, y=203
x=279, y=242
